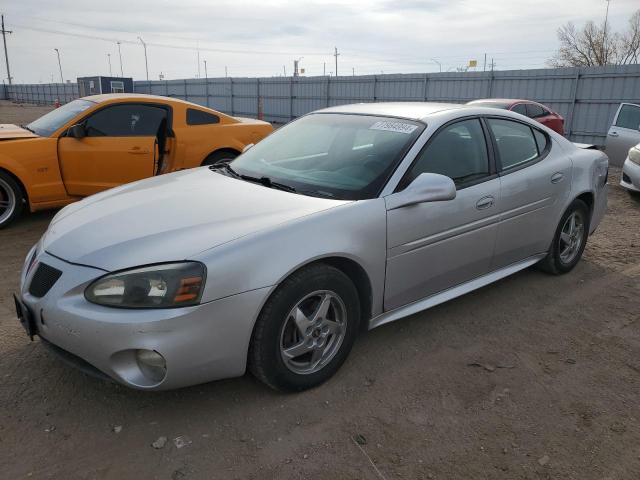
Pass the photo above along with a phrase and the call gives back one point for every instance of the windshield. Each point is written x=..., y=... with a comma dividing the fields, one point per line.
x=347, y=157
x=52, y=121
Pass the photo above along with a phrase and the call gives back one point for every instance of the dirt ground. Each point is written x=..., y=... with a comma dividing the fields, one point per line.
x=556, y=395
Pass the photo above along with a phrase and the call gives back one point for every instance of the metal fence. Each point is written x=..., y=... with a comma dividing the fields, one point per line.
x=586, y=97
x=42, y=93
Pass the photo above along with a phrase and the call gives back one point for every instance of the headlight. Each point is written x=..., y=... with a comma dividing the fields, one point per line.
x=634, y=155
x=158, y=286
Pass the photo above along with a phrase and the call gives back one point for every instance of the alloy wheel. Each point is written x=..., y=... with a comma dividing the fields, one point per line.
x=571, y=237
x=7, y=201
x=313, y=332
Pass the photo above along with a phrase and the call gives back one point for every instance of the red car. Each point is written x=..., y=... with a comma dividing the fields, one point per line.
x=531, y=109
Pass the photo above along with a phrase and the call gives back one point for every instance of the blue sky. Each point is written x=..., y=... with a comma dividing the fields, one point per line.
x=262, y=38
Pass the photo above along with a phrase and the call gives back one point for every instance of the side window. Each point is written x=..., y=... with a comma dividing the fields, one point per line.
x=520, y=108
x=629, y=117
x=541, y=140
x=125, y=121
x=535, y=111
x=515, y=141
x=459, y=152
x=198, y=117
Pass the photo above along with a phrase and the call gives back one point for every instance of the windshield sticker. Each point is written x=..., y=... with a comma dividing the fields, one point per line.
x=398, y=127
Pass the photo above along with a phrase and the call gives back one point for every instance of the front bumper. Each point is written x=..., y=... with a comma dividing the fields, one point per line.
x=630, y=176
x=199, y=343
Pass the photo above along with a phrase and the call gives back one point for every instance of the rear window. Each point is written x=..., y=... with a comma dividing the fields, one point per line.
x=198, y=117
x=535, y=111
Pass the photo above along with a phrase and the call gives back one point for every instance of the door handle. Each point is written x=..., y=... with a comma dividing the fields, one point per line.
x=613, y=134
x=557, y=177
x=138, y=151
x=485, y=202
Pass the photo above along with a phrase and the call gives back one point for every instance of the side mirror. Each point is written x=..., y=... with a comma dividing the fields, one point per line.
x=77, y=131
x=427, y=187
x=247, y=147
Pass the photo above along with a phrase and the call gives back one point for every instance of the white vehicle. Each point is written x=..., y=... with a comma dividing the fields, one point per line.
x=623, y=134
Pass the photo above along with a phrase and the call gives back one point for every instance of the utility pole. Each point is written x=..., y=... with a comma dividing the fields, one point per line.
x=205, y=69
x=604, y=35
x=146, y=64
x=335, y=54
x=492, y=65
x=353, y=71
x=109, y=60
x=6, y=55
x=484, y=67
x=198, y=51
x=284, y=70
x=59, y=64
x=324, y=69
x=120, y=55
x=226, y=73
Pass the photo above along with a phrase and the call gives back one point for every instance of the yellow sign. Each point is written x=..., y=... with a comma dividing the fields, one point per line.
x=473, y=63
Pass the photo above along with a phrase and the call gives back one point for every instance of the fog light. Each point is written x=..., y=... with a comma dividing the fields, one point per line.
x=152, y=364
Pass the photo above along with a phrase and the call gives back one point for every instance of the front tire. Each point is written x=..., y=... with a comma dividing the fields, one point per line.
x=305, y=330
x=11, y=200
x=569, y=241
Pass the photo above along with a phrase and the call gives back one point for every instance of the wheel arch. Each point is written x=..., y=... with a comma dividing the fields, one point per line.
x=589, y=199
x=19, y=181
x=220, y=150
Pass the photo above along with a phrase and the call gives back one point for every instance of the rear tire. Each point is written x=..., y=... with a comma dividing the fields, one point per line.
x=222, y=157
x=569, y=241
x=306, y=329
x=11, y=200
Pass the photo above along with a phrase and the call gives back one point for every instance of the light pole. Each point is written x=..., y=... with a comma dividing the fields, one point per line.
x=146, y=63
x=120, y=55
x=59, y=65
x=439, y=64
x=604, y=35
x=109, y=60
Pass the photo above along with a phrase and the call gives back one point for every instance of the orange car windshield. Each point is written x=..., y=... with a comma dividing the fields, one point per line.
x=52, y=121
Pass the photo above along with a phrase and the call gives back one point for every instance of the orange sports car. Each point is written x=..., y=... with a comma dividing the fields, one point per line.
x=99, y=142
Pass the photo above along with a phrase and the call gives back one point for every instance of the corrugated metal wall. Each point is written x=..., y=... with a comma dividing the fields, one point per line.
x=586, y=97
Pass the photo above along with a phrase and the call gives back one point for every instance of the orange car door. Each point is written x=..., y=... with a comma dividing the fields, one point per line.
x=119, y=146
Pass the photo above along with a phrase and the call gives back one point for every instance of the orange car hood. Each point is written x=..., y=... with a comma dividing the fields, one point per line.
x=8, y=131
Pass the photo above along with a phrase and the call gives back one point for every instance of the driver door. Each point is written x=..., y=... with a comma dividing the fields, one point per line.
x=120, y=146
x=437, y=245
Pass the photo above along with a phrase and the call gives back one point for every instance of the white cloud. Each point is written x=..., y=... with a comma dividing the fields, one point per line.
x=256, y=38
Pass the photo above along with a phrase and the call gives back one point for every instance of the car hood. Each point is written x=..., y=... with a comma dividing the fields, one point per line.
x=9, y=131
x=170, y=217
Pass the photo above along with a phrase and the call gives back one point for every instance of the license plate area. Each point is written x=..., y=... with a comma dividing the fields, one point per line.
x=25, y=317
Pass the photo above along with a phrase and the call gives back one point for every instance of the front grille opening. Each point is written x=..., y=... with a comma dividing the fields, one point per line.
x=45, y=277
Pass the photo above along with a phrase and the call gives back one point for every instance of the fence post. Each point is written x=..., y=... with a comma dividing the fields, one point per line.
x=206, y=90
x=490, y=84
x=259, y=113
x=574, y=93
x=290, y=98
x=375, y=88
x=231, y=94
x=328, y=91
x=426, y=87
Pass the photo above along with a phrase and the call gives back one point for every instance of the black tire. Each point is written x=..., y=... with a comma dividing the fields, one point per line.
x=553, y=263
x=12, y=200
x=224, y=156
x=265, y=358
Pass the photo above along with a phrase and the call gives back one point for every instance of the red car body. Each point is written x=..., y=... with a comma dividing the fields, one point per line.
x=528, y=108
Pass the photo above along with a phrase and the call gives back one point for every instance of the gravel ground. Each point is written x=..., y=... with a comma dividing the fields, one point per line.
x=532, y=377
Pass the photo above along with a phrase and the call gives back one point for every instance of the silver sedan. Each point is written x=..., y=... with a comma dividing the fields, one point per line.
x=346, y=219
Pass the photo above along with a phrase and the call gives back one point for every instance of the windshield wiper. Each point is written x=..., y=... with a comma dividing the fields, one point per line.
x=264, y=180
x=27, y=128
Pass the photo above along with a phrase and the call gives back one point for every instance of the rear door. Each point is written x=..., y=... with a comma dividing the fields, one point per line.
x=624, y=133
x=120, y=147
x=535, y=180
x=435, y=246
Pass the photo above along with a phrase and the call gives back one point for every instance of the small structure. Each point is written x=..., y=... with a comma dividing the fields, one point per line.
x=97, y=85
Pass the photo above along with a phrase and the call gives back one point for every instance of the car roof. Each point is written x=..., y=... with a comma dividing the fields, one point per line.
x=509, y=101
x=105, y=97
x=408, y=110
